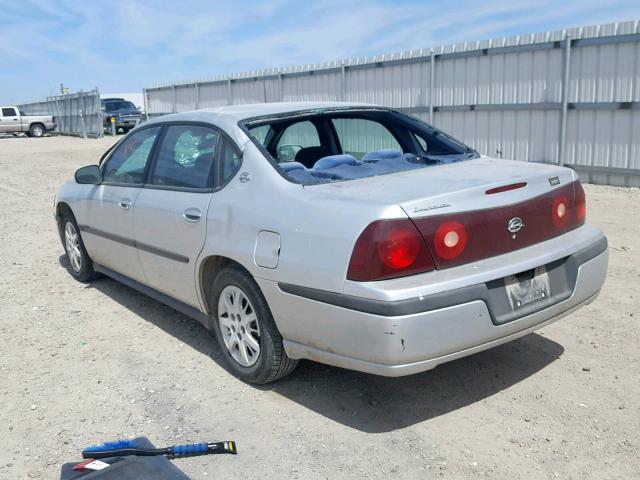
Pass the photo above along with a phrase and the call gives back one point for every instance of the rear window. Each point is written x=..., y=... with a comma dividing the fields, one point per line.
x=350, y=144
x=359, y=136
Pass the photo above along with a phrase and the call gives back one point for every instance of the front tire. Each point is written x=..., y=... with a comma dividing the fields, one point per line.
x=80, y=265
x=246, y=333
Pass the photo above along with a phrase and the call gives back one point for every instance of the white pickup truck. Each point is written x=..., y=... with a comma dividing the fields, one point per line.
x=12, y=120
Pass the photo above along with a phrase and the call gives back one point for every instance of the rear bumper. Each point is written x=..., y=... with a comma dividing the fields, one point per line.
x=402, y=337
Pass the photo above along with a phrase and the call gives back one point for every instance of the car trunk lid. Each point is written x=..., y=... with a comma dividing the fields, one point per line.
x=491, y=206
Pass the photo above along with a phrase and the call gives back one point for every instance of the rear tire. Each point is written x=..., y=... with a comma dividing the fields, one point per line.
x=79, y=265
x=36, y=130
x=244, y=328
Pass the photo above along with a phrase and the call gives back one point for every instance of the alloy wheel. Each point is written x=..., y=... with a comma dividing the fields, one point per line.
x=239, y=326
x=72, y=242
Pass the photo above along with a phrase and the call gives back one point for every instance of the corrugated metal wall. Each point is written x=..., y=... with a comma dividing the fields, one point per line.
x=35, y=108
x=78, y=114
x=511, y=97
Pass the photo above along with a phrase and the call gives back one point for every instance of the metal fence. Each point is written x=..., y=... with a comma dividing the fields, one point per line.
x=566, y=97
x=78, y=114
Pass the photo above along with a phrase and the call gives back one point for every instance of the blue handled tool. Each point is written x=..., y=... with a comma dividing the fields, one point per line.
x=123, y=448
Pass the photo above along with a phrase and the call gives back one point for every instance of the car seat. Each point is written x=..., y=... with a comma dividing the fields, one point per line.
x=308, y=156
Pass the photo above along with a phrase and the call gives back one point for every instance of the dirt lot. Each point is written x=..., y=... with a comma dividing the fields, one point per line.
x=81, y=364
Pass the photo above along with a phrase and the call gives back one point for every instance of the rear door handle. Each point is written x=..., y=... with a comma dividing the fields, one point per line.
x=125, y=204
x=192, y=215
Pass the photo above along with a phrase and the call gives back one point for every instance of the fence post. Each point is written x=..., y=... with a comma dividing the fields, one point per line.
x=280, y=92
x=562, y=151
x=262, y=79
x=60, y=116
x=197, y=87
x=83, y=108
x=144, y=103
x=84, y=126
x=173, y=99
x=99, y=115
x=343, y=81
x=432, y=72
x=228, y=90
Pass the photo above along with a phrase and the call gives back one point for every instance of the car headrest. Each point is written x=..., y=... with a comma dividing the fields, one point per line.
x=309, y=155
x=334, y=160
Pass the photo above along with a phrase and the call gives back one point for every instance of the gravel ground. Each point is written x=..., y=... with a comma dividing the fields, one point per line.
x=81, y=364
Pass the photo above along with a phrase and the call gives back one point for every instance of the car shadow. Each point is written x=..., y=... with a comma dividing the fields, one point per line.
x=361, y=401
x=6, y=136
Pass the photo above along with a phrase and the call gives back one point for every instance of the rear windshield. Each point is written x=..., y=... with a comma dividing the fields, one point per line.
x=329, y=146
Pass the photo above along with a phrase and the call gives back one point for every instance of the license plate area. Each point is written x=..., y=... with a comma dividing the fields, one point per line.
x=527, y=287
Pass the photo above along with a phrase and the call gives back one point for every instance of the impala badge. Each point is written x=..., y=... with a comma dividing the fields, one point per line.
x=515, y=225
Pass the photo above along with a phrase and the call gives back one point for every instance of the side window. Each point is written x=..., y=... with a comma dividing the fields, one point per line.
x=260, y=133
x=229, y=161
x=9, y=112
x=422, y=143
x=185, y=157
x=296, y=137
x=128, y=162
x=359, y=136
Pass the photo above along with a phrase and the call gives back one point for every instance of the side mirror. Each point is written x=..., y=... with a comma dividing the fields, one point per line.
x=89, y=175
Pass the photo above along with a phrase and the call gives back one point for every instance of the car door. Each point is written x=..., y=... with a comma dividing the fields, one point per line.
x=171, y=211
x=107, y=220
x=9, y=120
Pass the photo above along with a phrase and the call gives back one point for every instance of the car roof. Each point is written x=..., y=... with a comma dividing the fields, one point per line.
x=237, y=113
x=227, y=117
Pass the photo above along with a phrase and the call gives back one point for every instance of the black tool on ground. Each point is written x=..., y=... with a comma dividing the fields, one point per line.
x=123, y=448
x=132, y=466
x=128, y=468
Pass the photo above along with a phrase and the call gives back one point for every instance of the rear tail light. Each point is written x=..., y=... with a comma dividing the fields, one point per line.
x=389, y=249
x=459, y=238
x=560, y=211
x=450, y=240
x=581, y=202
x=396, y=248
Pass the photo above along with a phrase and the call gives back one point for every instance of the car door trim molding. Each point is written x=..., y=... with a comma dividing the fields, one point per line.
x=181, y=307
x=132, y=243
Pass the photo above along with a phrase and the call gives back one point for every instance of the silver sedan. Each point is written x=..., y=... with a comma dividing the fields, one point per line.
x=347, y=234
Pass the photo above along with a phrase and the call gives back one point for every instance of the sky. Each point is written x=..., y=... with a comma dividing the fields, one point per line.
x=125, y=45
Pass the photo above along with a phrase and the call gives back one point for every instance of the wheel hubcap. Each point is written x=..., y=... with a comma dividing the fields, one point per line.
x=37, y=131
x=72, y=242
x=239, y=326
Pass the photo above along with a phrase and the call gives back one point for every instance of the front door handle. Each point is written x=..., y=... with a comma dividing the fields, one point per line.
x=125, y=204
x=192, y=215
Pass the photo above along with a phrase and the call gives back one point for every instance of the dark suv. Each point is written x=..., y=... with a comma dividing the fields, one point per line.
x=125, y=113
